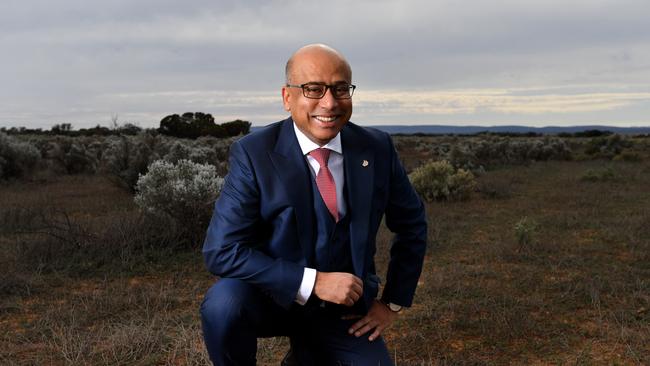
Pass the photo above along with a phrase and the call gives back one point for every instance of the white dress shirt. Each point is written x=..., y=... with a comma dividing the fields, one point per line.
x=335, y=165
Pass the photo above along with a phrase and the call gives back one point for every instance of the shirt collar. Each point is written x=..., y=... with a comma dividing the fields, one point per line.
x=307, y=145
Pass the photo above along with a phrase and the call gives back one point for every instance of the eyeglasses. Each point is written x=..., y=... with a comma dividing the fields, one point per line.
x=317, y=91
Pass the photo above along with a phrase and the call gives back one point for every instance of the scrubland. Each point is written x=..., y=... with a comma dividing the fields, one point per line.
x=545, y=260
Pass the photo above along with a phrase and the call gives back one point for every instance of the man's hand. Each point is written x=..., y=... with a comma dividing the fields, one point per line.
x=338, y=287
x=379, y=317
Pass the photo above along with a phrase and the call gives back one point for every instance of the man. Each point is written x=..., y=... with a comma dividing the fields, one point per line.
x=293, y=232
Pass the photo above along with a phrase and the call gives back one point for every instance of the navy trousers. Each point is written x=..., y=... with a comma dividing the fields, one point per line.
x=234, y=314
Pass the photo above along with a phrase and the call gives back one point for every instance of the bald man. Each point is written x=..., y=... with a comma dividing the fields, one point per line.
x=293, y=233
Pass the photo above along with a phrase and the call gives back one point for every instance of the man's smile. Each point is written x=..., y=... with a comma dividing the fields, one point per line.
x=326, y=119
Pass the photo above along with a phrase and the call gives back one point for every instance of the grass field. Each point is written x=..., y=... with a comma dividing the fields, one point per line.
x=85, y=283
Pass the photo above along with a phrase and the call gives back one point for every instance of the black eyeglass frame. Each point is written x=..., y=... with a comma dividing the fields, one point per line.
x=351, y=88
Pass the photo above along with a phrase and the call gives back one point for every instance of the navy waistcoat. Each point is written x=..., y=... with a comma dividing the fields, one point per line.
x=332, y=239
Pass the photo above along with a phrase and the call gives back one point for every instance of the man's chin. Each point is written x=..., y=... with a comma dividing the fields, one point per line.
x=323, y=136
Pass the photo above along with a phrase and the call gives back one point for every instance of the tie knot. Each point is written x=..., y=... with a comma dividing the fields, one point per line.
x=321, y=155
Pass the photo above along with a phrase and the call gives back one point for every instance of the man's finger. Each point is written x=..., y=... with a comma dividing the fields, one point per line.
x=358, y=281
x=354, y=296
x=358, y=288
x=363, y=326
x=365, y=329
x=360, y=323
x=376, y=333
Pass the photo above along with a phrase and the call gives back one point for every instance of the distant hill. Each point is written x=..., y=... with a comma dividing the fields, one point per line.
x=471, y=130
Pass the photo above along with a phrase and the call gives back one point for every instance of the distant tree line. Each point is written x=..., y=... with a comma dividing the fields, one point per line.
x=193, y=125
x=66, y=129
x=188, y=125
x=586, y=133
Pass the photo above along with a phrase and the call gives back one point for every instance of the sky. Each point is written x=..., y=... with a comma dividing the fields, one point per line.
x=452, y=62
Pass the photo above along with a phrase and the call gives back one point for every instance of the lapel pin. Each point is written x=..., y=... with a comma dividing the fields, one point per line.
x=364, y=163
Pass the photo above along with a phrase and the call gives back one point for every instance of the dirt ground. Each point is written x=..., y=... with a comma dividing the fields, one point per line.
x=575, y=289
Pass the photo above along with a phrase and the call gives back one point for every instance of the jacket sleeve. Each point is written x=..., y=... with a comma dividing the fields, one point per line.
x=233, y=244
x=405, y=217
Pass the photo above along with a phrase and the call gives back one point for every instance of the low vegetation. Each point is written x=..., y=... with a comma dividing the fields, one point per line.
x=438, y=180
x=17, y=158
x=542, y=260
x=181, y=194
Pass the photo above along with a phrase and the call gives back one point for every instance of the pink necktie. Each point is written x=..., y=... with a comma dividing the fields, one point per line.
x=325, y=181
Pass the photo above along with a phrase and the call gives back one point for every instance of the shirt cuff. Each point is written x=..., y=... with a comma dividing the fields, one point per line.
x=306, y=286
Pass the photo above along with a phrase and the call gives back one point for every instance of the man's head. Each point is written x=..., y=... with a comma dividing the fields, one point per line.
x=319, y=119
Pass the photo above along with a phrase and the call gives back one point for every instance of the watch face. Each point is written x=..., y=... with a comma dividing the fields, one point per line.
x=394, y=307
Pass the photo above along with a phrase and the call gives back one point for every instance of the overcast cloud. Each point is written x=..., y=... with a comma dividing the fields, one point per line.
x=439, y=62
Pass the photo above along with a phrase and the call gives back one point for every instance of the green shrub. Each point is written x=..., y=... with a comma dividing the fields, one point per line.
x=461, y=185
x=525, y=232
x=438, y=180
x=182, y=193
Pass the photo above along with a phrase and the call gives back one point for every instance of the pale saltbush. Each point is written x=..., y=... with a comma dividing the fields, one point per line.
x=179, y=150
x=183, y=192
x=78, y=160
x=485, y=152
x=17, y=158
x=438, y=180
x=125, y=158
x=70, y=155
x=204, y=150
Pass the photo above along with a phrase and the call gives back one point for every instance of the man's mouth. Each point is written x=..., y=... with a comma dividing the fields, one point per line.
x=325, y=119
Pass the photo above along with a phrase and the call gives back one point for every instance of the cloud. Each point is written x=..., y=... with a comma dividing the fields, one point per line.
x=492, y=100
x=72, y=59
x=532, y=101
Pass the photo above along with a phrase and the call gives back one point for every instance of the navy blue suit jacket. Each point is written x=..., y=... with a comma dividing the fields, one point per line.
x=262, y=230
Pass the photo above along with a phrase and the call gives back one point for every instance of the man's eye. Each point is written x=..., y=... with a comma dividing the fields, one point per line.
x=341, y=89
x=313, y=89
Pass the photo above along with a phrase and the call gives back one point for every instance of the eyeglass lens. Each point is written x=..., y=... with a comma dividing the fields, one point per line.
x=318, y=90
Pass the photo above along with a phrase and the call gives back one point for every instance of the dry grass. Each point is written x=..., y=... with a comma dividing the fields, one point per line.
x=577, y=293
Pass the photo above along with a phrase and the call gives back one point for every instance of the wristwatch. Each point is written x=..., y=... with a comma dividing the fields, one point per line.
x=393, y=307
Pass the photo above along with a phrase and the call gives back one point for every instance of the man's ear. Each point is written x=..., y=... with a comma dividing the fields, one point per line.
x=285, y=99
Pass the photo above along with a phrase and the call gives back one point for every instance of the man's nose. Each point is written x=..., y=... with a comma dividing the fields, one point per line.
x=328, y=100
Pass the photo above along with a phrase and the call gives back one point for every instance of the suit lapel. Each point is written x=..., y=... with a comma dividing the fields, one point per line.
x=291, y=168
x=359, y=174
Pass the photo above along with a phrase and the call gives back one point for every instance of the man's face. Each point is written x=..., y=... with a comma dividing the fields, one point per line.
x=319, y=119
